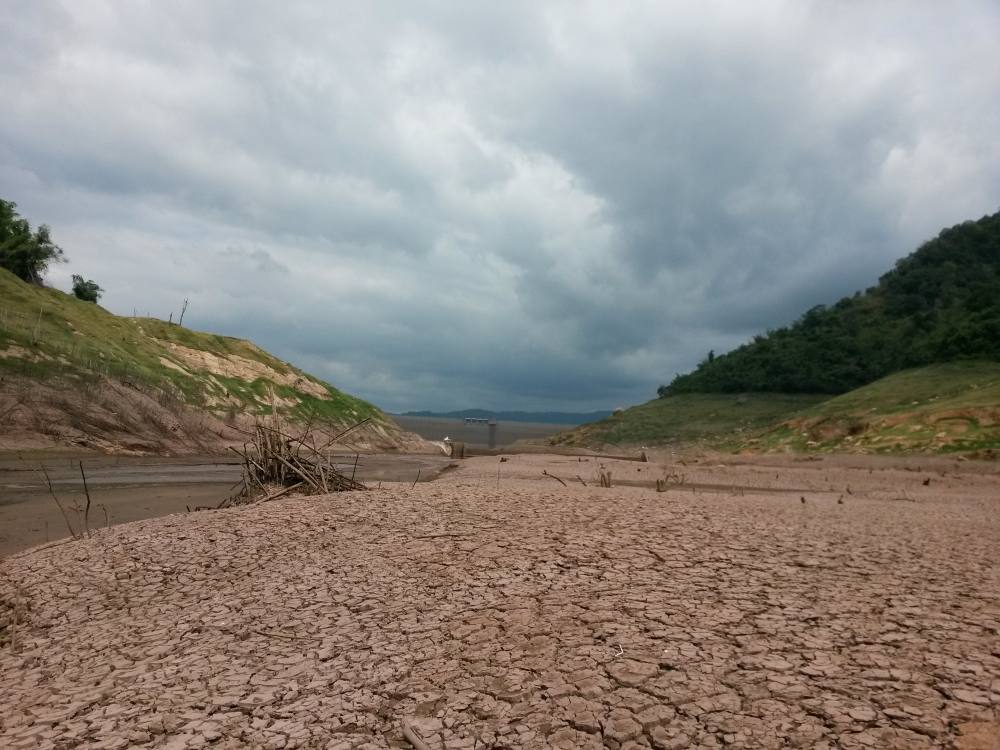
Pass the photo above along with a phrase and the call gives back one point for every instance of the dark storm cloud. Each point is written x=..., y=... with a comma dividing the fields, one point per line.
x=440, y=205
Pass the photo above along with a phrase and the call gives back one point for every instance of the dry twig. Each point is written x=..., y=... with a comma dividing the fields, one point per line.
x=62, y=510
x=553, y=476
x=86, y=513
x=273, y=457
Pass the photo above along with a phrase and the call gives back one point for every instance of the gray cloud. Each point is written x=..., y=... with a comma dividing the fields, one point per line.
x=522, y=206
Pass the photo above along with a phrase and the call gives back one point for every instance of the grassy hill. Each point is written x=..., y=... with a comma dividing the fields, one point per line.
x=93, y=368
x=688, y=418
x=951, y=407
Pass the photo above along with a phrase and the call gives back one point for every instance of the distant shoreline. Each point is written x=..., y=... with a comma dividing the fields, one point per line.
x=477, y=434
x=532, y=417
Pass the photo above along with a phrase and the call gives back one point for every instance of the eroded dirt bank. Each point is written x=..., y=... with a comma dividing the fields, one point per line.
x=521, y=613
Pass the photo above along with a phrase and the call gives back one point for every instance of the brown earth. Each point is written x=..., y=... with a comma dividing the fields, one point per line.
x=829, y=604
x=113, y=417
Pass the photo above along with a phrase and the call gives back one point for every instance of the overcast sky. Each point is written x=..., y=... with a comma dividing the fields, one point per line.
x=505, y=205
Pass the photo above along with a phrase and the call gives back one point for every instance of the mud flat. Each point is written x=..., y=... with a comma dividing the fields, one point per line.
x=131, y=489
x=831, y=607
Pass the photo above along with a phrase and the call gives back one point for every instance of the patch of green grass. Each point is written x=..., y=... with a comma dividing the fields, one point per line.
x=954, y=385
x=311, y=408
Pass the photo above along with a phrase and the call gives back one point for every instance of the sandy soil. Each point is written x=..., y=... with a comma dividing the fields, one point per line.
x=506, y=610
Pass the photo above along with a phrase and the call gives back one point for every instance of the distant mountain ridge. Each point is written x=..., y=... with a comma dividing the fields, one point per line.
x=545, y=417
x=939, y=304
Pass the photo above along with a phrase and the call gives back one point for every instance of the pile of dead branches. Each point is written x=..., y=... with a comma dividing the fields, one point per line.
x=276, y=463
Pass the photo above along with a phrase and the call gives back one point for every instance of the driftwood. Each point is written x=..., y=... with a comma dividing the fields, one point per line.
x=553, y=476
x=276, y=463
x=279, y=493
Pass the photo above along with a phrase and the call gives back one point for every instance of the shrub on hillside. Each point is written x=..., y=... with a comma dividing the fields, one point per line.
x=86, y=289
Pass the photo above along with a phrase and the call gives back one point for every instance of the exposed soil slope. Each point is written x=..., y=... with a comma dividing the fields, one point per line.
x=72, y=373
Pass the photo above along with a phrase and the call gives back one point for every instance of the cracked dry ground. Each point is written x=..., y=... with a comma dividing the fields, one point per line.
x=531, y=615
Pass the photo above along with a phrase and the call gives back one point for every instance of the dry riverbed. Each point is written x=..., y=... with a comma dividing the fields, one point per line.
x=496, y=607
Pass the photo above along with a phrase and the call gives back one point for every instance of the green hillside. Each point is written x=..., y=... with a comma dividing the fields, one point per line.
x=945, y=407
x=939, y=304
x=704, y=418
x=48, y=336
x=950, y=407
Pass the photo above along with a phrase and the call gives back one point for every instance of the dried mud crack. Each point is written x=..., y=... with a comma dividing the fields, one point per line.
x=529, y=615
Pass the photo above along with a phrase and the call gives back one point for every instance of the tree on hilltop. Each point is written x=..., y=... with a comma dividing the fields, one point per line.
x=24, y=253
x=938, y=304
